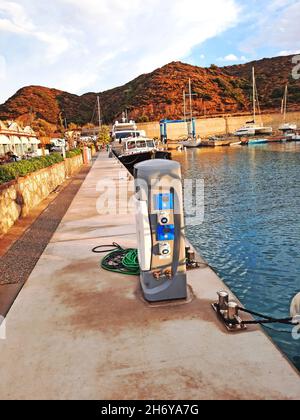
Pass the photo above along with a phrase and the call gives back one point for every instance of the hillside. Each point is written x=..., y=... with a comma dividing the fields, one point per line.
x=159, y=94
x=272, y=74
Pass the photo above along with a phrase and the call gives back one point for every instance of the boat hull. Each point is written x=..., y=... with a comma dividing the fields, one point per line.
x=264, y=130
x=254, y=131
x=245, y=132
x=192, y=144
x=288, y=127
x=129, y=161
x=257, y=141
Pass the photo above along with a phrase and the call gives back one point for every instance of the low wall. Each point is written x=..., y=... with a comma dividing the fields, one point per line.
x=219, y=125
x=73, y=165
x=18, y=197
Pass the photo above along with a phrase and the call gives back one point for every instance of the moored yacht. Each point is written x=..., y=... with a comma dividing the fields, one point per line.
x=253, y=128
x=296, y=136
x=131, y=146
x=288, y=128
x=247, y=130
x=125, y=129
x=191, y=141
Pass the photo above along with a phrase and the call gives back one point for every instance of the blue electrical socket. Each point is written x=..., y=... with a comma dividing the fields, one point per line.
x=165, y=233
x=164, y=202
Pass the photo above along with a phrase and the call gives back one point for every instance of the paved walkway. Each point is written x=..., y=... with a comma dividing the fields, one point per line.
x=21, y=248
x=76, y=332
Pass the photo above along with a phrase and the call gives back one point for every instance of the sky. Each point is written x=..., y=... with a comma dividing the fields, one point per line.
x=93, y=45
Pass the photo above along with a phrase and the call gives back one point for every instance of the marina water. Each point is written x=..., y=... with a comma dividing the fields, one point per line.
x=251, y=231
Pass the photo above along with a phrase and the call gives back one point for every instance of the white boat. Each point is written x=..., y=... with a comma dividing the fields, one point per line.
x=286, y=127
x=125, y=129
x=131, y=146
x=192, y=143
x=263, y=130
x=134, y=150
x=253, y=128
x=296, y=137
x=237, y=143
x=247, y=130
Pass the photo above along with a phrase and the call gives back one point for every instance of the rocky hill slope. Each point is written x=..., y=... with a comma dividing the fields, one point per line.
x=272, y=74
x=160, y=94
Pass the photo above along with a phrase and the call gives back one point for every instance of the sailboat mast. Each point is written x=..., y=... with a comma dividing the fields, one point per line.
x=254, y=94
x=191, y=108
x=285, y=102
x=99, y=111
x=191, y=102
x=184, y=105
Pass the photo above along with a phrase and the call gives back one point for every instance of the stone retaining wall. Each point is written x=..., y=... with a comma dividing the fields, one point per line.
x=214, y=126
x=18, y=197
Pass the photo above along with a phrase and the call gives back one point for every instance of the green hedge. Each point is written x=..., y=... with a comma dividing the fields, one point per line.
x=73, y=153
x=12, y=171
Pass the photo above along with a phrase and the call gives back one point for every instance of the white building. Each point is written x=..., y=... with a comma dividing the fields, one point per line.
x=16, y=139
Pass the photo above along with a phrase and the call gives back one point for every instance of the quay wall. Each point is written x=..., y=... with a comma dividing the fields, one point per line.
x=19, y=197
x=217, y=125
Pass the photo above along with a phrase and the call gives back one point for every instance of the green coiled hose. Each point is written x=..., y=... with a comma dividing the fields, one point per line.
x=119, y=260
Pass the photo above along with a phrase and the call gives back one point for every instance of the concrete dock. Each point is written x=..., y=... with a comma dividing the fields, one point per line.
x=77, y=332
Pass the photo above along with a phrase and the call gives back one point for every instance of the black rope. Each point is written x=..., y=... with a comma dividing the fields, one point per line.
x=266, y=319
x=105, y=249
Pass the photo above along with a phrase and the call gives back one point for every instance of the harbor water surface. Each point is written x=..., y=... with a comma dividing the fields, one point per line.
x=251, y=231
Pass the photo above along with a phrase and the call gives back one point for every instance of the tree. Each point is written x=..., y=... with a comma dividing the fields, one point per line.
x=104, y=135
x=89, y=126
x=72, y=127
x=42, y=128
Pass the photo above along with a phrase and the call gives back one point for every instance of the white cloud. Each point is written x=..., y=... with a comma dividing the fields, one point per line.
x=15, y=19
x=153, y=32
x=276, y=5
x=230, y=58
x=278, y=27
x=288, y=52
x=57, y=44
x=97, y=44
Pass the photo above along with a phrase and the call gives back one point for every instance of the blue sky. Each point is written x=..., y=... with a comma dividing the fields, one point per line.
x=93, y=45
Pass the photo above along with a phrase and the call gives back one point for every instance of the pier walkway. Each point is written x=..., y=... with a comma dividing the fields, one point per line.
x=77, y=332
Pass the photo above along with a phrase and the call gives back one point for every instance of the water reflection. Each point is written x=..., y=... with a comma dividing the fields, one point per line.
x=251, y=230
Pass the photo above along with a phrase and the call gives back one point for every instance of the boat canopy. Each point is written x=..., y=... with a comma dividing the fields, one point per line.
x=131, y=125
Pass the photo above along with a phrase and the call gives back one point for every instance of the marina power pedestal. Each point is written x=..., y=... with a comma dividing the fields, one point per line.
x=160, y=230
